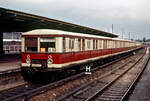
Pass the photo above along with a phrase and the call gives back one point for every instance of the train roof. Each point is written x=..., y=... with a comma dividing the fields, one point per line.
x=59, y=32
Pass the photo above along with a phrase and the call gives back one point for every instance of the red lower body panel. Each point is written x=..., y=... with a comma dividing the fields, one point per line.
x=61, y=58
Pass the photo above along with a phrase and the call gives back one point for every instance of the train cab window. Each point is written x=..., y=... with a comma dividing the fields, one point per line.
x=30, y=47
x=47, y=44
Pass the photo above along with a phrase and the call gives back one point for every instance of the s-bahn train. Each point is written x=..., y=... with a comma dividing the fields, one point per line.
x=48, y=52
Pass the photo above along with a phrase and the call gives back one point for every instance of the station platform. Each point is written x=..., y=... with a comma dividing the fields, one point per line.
x=142, y=89
x=9, y=62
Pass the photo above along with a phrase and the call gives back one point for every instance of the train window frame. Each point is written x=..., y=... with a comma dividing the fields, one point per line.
x=88, y=44
x=96, y=44
x=93, y=44
x=64, y=44
x=26, y=44
x=71, y=43
x=83, y=44
x=100, y=44
x=79, y=44
x=105, y=44
x=45, y=41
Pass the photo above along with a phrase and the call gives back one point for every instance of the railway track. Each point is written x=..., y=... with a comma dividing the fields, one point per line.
x=11, y=71
x=10, y=94
x=10, y=78
x=114, y=86
x=8, y=72
x=30, y=91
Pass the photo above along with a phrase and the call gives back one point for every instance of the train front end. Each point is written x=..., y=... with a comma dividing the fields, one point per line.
x=39, y=56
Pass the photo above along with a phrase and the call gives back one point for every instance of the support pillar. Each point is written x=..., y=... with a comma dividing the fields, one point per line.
x=1, y=43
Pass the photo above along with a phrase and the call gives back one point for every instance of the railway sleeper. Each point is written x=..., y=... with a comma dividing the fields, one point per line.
x=107, y=99
x=118, y=96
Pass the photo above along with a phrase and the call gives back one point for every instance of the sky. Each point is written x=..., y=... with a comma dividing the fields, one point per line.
x=127, y=16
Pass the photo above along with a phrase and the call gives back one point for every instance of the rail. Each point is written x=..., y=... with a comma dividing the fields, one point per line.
x=91, y=82
x=125, y=97
x=108, y=85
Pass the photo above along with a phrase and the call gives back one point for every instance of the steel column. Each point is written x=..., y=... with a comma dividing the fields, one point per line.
x=1, y=43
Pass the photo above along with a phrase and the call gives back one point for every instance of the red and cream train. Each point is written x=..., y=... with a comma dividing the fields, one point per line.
x=48, y=51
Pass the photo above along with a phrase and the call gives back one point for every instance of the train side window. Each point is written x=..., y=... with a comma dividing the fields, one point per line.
x=47, y=44
x=113, y=44
x=120, y=44
x=93, y=44
x=88, y=44
x=71, y=43
x=31, y=47
x=96, y=47
x=108, y=43
x=64, y=44
x=83, y=44
x=123, y=44
x=116, y=44
x=100, y=44
x=105, y=44
x=79, y=44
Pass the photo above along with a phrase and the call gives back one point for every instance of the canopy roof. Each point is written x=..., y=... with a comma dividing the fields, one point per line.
x=11, y=20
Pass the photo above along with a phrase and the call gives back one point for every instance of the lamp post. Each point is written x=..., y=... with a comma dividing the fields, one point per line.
x=112, y=27
x=122, y=32
x=129, y=35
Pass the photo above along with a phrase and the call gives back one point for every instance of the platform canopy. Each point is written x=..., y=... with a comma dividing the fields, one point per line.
x=16, y=21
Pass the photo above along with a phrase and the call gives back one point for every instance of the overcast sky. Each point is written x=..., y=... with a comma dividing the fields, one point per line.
x=126, y=15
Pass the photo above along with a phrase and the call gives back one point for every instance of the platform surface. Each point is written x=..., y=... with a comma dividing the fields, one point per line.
x=142, y=89
x=8, y=62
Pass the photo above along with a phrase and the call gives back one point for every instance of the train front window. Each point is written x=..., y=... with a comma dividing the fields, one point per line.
x=47, y=44
x=31, y=44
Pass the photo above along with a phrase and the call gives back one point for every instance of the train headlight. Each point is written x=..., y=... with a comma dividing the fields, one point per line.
x=28, y=59
x=49, y=61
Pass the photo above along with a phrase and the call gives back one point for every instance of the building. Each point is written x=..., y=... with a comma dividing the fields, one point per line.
x=12, y=42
